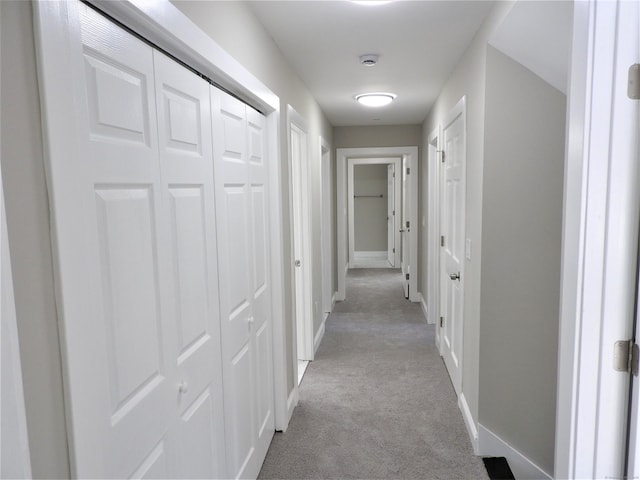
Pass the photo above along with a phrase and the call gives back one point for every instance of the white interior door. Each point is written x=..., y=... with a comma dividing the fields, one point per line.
x=110, y=236
x=184, y=133
x=405, y=229
x=452, y=249
x=391, y=213
x=327, y=229
x=243, y=245
x=301, y=250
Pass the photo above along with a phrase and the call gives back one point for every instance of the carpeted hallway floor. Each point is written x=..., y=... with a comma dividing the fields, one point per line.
x=377, y=401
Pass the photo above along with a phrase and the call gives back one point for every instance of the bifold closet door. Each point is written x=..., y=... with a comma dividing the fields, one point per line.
x=245, y=287
x=184, y=132
x=133, y=215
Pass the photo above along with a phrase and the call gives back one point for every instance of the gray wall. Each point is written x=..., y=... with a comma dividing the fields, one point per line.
x=30, y=244
x=521, y=238
x=377, y=136
x=468, y=78
x=370, y=213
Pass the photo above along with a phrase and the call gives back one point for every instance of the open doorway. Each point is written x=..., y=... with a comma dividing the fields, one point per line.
x=374, y=204
x=405, y=164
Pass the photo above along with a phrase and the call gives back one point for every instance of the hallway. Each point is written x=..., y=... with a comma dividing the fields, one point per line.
x=377, y=401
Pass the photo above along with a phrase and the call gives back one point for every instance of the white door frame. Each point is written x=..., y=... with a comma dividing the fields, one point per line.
x=295, y=121
x=342, y=154
x=163, y=24
x=599, y=245
x=326, y=227
x=434, y=160
x=352, y=162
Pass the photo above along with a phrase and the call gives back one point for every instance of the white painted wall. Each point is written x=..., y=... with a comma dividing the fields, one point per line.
x=30, y=243
x=521, y=238
x=370, y=212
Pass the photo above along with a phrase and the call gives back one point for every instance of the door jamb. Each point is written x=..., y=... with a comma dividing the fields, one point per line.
x=342, y=154
x=294, y=119
x=434, y=157
x=326, y=228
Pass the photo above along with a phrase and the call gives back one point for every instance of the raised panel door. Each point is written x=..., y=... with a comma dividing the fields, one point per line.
x=186, y=162
x=452, y=252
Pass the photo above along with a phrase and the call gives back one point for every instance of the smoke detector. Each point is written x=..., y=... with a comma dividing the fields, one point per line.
x=369, y=60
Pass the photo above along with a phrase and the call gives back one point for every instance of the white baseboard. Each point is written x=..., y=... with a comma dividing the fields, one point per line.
x=469, y=423
x=319, y=335
x=425, y=309
x=523, y=468
x=292, y=402
x=334, y=299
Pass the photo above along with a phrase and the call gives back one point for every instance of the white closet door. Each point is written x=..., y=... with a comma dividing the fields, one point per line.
x=244, y=277
x=184, y=131
x=107, y=203
x=261, y=329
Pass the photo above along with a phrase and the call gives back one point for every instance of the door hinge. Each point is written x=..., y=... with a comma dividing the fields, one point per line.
x=394, y=250
x=441, y=155
x=408, y=224
x=394, y=212
x=442, y=240
x=408, y=171
x=394, y=174
x=633, y=88
x=441, y=321
x=407, y=276
x=625, y=356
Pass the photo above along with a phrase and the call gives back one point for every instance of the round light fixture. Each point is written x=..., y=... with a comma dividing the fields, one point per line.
x=372, y=3
x=375, y=99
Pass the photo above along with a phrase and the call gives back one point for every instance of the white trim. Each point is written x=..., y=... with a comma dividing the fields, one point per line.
x=425, y=308
x=320, y=335
x=333, y=300
x=292, y=402
x=599, y=244
x=491, y=445
x=410, y=153
x=469, y=423
x=162, y=23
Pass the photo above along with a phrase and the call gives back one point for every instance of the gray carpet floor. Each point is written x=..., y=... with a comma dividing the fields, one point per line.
x=377, y=402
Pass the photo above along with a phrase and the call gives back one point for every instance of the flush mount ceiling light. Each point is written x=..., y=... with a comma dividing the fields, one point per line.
x=372, y=2
x=375, y=99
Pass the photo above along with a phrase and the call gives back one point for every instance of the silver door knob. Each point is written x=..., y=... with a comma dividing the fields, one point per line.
x=401, y=230
x=454, y=276
x=297, y=263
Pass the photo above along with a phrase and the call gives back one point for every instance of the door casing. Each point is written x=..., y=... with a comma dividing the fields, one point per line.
x=352, y=162
x=410, y=153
